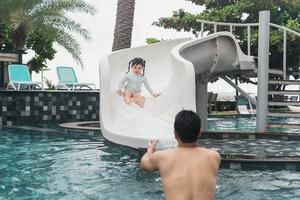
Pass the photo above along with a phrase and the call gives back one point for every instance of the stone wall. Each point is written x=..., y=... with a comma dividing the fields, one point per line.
x=28, y=107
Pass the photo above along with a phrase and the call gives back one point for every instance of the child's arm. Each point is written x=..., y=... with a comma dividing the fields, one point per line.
x=122, y=84
x=147, y=86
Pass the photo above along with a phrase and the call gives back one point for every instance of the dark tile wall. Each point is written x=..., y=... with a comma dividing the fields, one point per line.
x=23, y=107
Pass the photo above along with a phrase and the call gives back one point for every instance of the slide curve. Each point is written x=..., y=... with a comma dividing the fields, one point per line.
x=171, y=68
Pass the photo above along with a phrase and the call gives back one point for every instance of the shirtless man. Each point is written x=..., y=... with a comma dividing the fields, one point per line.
x=187, y=172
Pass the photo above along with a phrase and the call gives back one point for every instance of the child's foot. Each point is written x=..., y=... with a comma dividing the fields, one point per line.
x=141, y=105
x=128, y=101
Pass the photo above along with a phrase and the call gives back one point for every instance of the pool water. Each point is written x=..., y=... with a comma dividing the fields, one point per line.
x=57, y=165
x=262, y=147
x=37, y=165
x=241, y=123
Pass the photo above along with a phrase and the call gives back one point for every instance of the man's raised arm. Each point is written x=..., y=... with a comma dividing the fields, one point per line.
x=149, y=159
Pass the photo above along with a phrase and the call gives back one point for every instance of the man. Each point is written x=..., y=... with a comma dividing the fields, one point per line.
x=189, y=171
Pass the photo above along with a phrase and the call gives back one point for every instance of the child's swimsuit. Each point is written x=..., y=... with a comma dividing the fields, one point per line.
x=133, y=82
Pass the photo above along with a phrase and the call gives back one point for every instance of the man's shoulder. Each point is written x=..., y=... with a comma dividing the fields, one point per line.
x=162, y=157
x=210, y=152
x=163, y=153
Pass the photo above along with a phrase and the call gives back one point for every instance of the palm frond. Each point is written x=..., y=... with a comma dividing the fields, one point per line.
x=68, y=42
x=8, y=6
x=49, y=18
x=71, y=6
x=19, y=16
x=61, y=22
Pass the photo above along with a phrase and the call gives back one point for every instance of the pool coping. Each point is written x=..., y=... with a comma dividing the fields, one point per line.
x=250, y=135
x=230, y=161
x=80, y=125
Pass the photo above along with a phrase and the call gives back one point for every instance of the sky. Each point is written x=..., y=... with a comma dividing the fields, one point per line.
x=101, y=28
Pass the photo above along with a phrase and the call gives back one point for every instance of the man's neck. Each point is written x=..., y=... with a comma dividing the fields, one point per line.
x=187, y=145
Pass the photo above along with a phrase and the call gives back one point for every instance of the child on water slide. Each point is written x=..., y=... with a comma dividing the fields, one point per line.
x=133, y=81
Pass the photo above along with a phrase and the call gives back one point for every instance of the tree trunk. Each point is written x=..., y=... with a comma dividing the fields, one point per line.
x=124, y=24
x=20, y=56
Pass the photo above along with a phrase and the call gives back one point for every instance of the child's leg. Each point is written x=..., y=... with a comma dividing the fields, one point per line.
x=139, y=99
x=128, y=97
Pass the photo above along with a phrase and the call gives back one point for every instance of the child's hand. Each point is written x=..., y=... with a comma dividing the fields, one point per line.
x=119, y=92
x=156, y=94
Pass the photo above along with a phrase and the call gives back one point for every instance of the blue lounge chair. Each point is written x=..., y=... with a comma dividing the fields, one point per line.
x=19, y=78
x=67, y=80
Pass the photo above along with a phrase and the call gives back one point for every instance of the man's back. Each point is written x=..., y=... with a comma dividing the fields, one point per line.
x=188, y=172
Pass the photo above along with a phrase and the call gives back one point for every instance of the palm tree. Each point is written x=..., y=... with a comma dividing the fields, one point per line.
x=124, y=24
x=48, y=17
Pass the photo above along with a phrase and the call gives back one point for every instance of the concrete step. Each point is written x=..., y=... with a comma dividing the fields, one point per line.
x=285, y=82
x=283, y=125
x=285, y=92
x=286, y=114
x=284, y=103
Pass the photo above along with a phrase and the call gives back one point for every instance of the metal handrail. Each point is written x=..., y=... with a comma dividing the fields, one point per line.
x=249, y=25
x=226, y=24
x=285, y=28
x=231, y=25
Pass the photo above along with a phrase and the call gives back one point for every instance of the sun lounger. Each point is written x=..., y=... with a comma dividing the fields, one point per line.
x=67, y=80
x=19, y=78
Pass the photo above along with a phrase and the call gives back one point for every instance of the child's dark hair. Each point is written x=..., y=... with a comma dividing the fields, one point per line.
x=187, y=126
x=137, y=61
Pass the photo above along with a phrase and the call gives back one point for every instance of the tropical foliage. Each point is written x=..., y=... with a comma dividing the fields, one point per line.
x=43, y=48
x=37, y=24
x=5, y=38
x=152, y=40
x=285, y=13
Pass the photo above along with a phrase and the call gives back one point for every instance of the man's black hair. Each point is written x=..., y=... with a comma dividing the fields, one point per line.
x=137, y=61
x=187, y=126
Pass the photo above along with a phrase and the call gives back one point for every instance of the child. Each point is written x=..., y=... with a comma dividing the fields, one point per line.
x=133, y=81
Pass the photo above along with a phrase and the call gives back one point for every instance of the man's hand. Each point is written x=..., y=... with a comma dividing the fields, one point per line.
x=152, y=146
x=156, y=94
x=119, y=92
x=149, y=159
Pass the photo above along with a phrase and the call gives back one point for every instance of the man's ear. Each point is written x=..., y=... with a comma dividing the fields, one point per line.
x=176, y=136
x=200, y=133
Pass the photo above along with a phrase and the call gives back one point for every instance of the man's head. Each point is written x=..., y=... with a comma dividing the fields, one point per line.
x=187, y=126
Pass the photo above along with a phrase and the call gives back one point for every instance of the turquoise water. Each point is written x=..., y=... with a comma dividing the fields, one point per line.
x=251, y=146
x=56, y=165
x=240, y=123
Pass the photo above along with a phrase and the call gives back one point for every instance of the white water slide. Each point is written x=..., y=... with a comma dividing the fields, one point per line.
x=171, y=68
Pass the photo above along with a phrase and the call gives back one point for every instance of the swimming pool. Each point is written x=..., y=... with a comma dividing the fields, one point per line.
x=246, y=123
x=43, y=164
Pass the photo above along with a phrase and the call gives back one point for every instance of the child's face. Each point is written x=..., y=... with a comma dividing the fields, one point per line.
x=137, y=68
